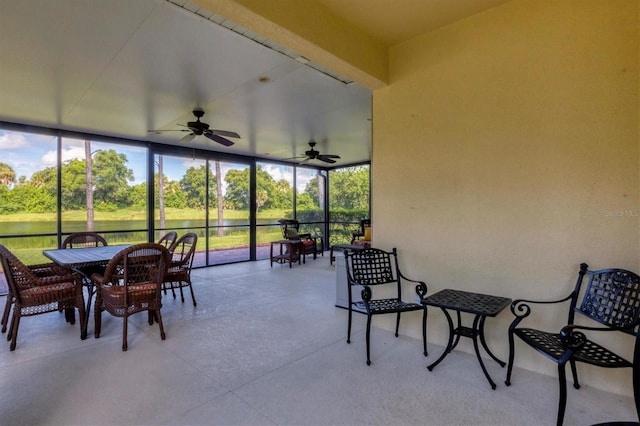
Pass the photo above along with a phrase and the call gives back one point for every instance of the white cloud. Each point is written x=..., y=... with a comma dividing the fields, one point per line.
x=69, y=152
x=13, y=140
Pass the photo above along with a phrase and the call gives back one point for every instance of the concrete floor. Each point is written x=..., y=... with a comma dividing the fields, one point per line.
x=265, y=346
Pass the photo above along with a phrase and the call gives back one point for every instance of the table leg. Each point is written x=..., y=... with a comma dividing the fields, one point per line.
x=449, y=343
x=90, y=290
x=458, y=331
x=271, y=256
x=484, y=344
x=476, y=321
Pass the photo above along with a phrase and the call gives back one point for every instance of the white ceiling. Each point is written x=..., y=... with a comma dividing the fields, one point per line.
x=121, y=67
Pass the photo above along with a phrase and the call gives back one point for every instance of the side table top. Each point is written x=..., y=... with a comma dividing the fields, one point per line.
x=465, y=301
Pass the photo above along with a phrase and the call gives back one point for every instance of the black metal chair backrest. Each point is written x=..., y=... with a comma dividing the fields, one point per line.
x=611, y=297
x=372, y=266
x=83, y=240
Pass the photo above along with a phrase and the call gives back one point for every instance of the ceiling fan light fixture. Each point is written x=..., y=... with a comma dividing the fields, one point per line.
x=198, y=128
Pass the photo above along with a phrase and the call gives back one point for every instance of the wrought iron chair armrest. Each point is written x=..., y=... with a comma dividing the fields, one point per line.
x=521, y=309
x=366, y=292
x=573, y=339
x=421, y=286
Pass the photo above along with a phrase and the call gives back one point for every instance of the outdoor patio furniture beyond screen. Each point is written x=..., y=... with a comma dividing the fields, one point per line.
x=311, y=244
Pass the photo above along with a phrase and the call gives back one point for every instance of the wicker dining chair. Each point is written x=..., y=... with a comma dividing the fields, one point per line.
x=39, y=289
x=82, y=240
x=179, y=273
x=131, y=283
x=168, y=239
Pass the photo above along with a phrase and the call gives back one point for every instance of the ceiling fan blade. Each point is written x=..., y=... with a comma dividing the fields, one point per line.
x=226, y=133
x=219, y=139
x=188, y=138
x=327, y=158
x=157, y=132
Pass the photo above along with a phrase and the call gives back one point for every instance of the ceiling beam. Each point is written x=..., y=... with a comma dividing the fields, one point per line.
x=310, y=29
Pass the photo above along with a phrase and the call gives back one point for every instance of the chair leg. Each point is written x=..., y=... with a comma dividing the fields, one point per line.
x=511, y=356
x=397, y=323
x=368, y=339
x=70, y=315
x=193, y=296
x=636, y=388
x=562, y=403
x=181, y=292
x=124, y=332
x=7, y=311
x=574, y=372
x=15, y=323
x=424, y=331
x=349, y=325
x=97, y=319
x=158, y=316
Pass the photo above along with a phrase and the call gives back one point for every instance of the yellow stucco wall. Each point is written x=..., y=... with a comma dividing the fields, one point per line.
x=505, y=153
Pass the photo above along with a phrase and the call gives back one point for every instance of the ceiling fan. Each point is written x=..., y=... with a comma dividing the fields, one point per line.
x=312, y=154
x=198, y=128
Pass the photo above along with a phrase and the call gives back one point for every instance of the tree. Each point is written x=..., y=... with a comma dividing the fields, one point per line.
x=74, y=184
x=194, y=183
x=237, y=194
x=160, y=185
x=174, y=196
x=112, y=179
x=47, y=179
x=219, y=198
x=7, y=175
x=269, y=193
x=89, y=184
x=138, y=195
x=349, y=188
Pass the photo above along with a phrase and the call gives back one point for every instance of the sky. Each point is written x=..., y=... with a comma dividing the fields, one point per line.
x=27, y=153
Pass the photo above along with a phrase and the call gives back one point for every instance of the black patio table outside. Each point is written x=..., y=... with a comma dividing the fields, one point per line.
x=478, y=304
x=85, y=261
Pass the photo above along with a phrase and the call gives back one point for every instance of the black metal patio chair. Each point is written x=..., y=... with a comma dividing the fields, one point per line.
x=611, y=298
x=371, y=268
